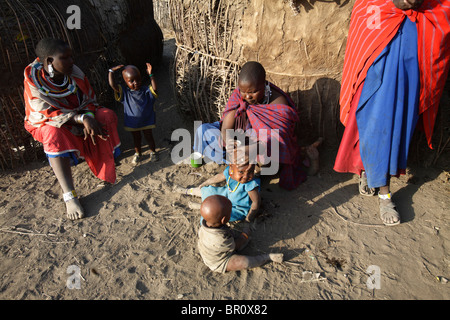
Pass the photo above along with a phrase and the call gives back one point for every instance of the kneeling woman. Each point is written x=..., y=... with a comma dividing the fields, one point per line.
x=62, y=113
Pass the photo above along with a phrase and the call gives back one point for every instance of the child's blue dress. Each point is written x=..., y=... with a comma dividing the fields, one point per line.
x=236, y=192
x=138, y=107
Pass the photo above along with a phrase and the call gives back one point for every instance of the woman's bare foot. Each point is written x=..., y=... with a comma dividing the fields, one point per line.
x=313, y=155
x=74, y=209
x=317, y=143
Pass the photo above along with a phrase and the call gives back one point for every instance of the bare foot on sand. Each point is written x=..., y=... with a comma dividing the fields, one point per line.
x=313, y=155
x=74, y=209
x=317, y=143
x=276, y=257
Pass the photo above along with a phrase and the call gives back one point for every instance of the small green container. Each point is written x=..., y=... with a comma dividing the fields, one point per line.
x=196, y=160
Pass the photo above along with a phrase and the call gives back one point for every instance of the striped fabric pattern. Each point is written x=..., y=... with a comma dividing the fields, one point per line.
x=270, y=116
x=44, y=110
x=275, y=116
x=373, y=25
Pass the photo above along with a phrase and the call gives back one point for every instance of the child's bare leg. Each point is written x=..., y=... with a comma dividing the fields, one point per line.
x=63, y=172
x=137, y=141
x=238, y=262
x=148, y=133
x=196, y=192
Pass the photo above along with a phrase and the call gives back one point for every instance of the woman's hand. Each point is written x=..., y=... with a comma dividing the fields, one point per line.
x=407, y=4
x=93, y=128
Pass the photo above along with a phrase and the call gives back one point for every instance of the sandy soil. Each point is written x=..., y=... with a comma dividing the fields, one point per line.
x=138, y=240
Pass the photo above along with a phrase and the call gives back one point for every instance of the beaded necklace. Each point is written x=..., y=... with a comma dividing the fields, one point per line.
x=228, y=185
x=46, y=90
x=66, y=80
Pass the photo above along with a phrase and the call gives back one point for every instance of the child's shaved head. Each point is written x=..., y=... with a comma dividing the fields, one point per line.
x=216, y=210
x=131, y=70
x=132, y=77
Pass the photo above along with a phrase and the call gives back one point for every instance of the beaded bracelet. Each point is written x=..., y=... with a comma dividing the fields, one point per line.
x=78, y=118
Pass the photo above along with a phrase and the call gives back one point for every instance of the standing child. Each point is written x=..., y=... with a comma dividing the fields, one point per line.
x=218, y=246
x=138, y=102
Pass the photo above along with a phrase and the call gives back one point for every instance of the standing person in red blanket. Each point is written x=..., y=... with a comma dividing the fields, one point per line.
x=395, y=68
x=261, y=106
x=62, y=113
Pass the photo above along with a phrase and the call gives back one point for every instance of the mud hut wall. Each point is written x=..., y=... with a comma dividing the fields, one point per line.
x=300, y=43
x=302, y=46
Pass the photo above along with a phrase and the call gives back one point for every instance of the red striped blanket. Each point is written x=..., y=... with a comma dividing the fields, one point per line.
x=373, y=25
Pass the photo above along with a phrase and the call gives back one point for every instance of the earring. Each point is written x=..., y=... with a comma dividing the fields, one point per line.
x=50, y=71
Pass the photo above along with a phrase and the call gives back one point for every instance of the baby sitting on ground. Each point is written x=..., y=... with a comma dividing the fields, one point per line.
x=218, y=246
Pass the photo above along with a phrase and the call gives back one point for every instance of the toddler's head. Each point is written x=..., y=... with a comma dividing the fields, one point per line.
x=132, y=77
x=243, y=159
x=216, y=210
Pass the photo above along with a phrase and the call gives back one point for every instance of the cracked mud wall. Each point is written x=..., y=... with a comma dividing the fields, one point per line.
x=301, y=44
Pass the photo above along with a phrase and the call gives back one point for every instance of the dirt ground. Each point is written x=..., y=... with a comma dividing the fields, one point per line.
x=138, y=240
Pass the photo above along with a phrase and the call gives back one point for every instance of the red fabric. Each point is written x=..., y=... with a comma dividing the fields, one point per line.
x=366, y=41
x=270, y=116
x=69, y=103
x=99, y=157
x=348, y=158
x=275, y=116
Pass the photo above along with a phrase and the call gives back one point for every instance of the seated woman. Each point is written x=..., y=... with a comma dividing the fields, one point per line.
x=61, y=112
x=257, y=104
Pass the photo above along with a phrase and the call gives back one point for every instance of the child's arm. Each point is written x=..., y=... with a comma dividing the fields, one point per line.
x=216, y=179
x=242, y=239
x=152, y=77
x=111, y=80
x=255, y=196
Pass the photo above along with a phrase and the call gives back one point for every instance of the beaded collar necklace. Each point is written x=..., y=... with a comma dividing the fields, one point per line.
x=40, y=83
